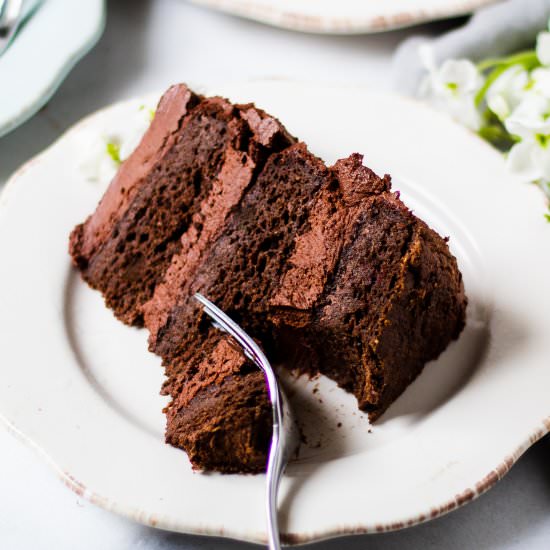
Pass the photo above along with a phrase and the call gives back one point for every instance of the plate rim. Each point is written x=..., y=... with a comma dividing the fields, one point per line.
x=291, y=539
x=469, y=494
x=287, y=18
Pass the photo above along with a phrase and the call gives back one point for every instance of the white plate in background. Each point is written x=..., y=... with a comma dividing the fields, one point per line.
x=345, y=16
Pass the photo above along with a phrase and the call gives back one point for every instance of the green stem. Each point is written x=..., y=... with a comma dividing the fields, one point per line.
x=528, y=60
x=488, y=83
x=520, y=58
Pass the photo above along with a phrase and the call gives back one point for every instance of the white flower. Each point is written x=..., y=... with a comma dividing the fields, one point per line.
x=130, y=137
x=98, y=165
x=540, y=81
x=543, y=48
x=530, y=121
x=530, y=160
x=507, y=91
x=452, y=87
x=531, y=118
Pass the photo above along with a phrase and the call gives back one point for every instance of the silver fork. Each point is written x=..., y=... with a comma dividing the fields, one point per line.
x=10, y=17
x=284, y=440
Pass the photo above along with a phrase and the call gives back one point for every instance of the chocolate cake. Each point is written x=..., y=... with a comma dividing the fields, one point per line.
x=324, y=266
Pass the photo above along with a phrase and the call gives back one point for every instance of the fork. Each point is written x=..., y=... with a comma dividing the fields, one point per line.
x=284, y=440
x=11, y=14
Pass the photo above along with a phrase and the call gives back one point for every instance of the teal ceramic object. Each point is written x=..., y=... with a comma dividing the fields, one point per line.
x=45, y=49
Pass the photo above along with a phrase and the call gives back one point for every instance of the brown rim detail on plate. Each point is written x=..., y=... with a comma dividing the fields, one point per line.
x=460, y=500
x=294, y=20
x=468, y=495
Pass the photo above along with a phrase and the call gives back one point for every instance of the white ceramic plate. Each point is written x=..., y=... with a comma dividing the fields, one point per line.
x=81, y=387
x=345, y=16
x=43, y=53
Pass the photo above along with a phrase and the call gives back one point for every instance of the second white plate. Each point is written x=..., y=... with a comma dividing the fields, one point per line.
x=345, y=16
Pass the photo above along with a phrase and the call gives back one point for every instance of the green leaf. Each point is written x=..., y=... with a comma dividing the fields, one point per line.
x=113, y=150
x=488, y=83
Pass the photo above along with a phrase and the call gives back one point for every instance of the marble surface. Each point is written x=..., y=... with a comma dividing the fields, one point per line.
x=147, y=45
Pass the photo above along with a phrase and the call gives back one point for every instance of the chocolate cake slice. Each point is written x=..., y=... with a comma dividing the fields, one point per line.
x=325, y=267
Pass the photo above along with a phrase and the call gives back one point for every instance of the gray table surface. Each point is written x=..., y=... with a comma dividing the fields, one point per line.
x=147, y=46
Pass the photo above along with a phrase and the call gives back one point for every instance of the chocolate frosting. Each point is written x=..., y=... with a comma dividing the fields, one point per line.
x=159, y=137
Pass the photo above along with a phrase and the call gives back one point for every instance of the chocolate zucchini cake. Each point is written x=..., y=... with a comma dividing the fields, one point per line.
x=324, y=266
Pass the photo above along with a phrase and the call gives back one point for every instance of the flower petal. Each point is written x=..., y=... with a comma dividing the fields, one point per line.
x=541, y=81
x=464, y=111
x=499, y=106
x=94, y=152
x=530, y=117
x=510, y=85
x=543, y=48
x=520, y=161
x=106, y=171
x=460, y=75
x=541, y=158
x=133, y=132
